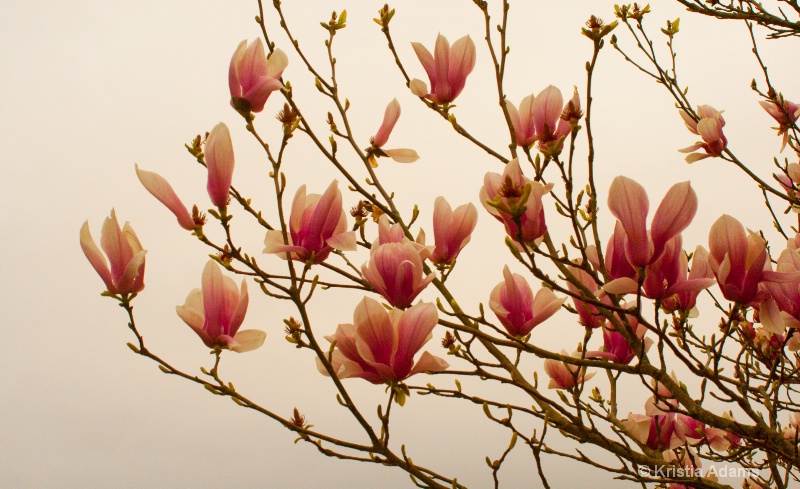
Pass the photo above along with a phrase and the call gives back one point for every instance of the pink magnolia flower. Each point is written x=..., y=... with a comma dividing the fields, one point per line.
x=782, y=308
x=790, y=181
x=219, y=160
x=627, y=201
x=395, y=271
x=380, y=346
x=252, y=77
x=451, y=230
x=656, y=432
x=317, y=226
x=447, y=69
x=667, y=276
x=616, y=348
x=162, y=190
x=785, y=114
x=740, y=261
x=790, y=431
x=216, y=312
x=125, y=255
x=522, y=121
x=551, y=128
x=501, y=195
x=518, y=310
x=382, y=136
x=563, y=375
x=709, y=127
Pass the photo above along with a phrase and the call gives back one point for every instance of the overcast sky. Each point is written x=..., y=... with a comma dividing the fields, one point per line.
x=88, y=88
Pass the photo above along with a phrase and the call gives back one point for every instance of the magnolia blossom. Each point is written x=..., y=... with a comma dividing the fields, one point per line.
x=785, y=114
x=515, y=306
x=563, y=375
x=790, y=431
x=162, y=190
x=219, y=160
x=390, y=117
x=501, y=196
x=216, y=312
x=709, y=127
x=395, y=271
x=656, y=432
x=552, y=120
x=447, y=69
x=740, y=261
x=252, y=77
x=616, y=348
x=317, y=226
x=627, y=201
x=380, y=346
x=790, y=181
x=125, y=256
x=782, y=308
x=667, y=276
x=451, y=230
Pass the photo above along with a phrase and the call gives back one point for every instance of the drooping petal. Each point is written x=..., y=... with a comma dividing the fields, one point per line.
x=402, y=155
x=247, y=340
x=428, y=363
x=162, y=190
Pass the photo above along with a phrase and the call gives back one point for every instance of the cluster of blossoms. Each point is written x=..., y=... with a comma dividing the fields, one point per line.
x=383, y=341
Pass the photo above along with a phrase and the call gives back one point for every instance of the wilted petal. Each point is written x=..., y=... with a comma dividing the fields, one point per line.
x=402, y=155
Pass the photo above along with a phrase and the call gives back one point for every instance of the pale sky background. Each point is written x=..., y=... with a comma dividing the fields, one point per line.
x=87, y=88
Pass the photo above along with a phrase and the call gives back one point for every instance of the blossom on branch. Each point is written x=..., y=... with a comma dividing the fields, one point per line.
x=252, y=77
x=709, y=127
x=451, y=230
x=447, y=69
x=380, y=346
x=402, y=155
x=515, y=306
x=317, y=226
x=125, y=256
x=552, y=120
x=563, y=375
x=395, y=271
x=216, y=312
x=516, y=201
x=785, y=114
x=627, y=201
x=740, y=261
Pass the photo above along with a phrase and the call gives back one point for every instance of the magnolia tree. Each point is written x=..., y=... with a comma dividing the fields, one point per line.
x=717, y=388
